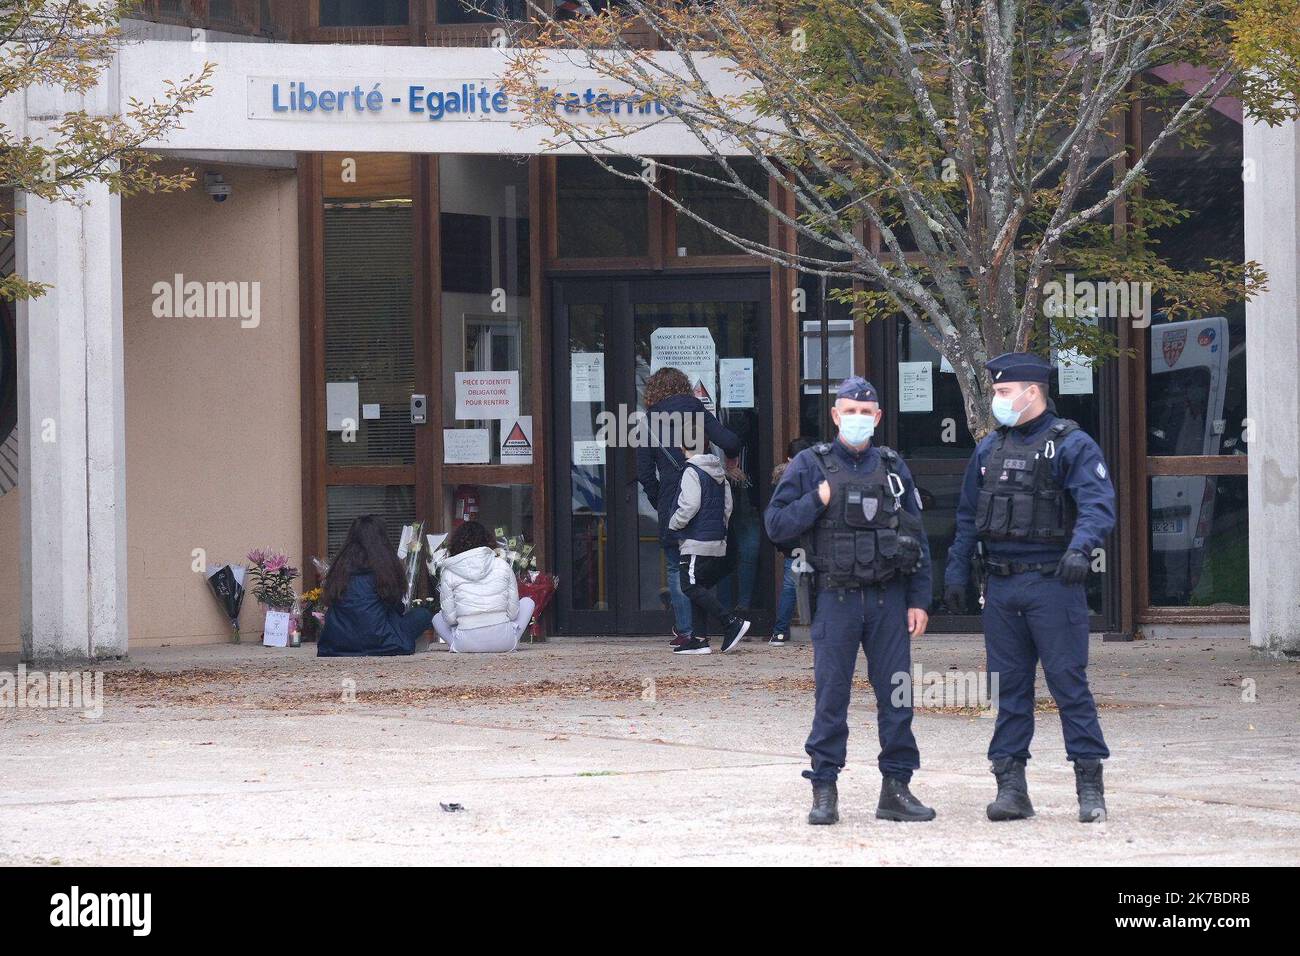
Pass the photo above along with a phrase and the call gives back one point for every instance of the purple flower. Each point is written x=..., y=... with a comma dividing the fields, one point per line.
x=256, y=556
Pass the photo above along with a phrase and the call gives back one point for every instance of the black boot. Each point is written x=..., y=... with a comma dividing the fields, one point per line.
x=1012, y=801
x=1091, y=791
x=897, y=803
x=826, y=803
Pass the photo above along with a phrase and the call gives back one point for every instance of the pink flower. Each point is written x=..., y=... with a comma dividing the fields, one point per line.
x=275, y=563
x=256, y=556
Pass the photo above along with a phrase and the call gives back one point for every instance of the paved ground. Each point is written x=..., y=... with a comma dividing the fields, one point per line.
x=242, y=754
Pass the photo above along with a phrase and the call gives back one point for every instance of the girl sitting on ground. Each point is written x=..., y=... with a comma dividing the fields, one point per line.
x=363, y=593
x=481, y=609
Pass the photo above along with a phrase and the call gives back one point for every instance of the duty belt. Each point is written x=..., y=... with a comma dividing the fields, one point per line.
x=1005, y=568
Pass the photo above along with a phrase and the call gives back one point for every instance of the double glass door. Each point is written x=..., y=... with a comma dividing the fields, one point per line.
x=609, y=335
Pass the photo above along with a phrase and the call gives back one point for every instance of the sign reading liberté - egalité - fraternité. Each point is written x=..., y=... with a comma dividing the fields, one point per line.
x=437, y=100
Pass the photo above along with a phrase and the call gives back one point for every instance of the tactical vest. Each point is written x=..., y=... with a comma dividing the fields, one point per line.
x=864, y=535
x=1019, y=499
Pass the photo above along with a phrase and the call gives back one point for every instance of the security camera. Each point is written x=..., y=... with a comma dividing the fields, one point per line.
x=215, y=185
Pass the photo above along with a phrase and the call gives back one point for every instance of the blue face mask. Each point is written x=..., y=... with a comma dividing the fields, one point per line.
x=857, y=430
x=1002, y=411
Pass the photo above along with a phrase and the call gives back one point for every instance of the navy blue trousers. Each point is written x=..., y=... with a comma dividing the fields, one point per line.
x=874, y=620
x=1028, y=618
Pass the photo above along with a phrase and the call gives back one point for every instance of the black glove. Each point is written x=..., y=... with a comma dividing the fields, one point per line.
x=1073, y=568
x=954, y=596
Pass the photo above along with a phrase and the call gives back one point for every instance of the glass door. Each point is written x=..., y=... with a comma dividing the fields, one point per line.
x=370, y=366
x=611, y=335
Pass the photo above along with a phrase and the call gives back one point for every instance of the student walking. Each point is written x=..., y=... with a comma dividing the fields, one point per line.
x=703, y=511
x=659, y=469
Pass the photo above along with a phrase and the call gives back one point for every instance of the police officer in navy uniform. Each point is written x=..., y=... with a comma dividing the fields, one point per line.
x=1035, y=502
x=855, y=511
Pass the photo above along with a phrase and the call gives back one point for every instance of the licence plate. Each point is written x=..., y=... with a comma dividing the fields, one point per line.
x=1168, y=526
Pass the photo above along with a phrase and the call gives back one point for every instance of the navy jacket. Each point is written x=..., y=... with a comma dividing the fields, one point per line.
x=360, y=624
x=795, y=506
x=1078, y=467
x=659, y=470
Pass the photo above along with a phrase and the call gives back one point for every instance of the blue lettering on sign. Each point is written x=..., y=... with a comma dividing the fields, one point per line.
x=297, y=97
x=468, y=100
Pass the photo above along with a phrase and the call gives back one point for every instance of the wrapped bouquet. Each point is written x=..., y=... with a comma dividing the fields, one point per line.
x=535, y=584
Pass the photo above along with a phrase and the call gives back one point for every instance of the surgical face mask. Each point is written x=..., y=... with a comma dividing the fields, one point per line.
x=857, y=429
x=1002, y=410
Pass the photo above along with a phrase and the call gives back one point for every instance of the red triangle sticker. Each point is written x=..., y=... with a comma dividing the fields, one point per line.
x=517, y=438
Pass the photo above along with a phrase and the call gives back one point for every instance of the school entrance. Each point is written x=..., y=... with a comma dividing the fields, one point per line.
x=608, y=335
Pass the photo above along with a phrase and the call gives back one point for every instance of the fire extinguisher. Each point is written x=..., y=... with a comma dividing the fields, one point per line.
x=466, y=507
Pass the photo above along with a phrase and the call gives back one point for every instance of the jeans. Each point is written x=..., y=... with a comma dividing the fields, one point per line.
x=785, y=607
x=737, y=589
x=680, y=602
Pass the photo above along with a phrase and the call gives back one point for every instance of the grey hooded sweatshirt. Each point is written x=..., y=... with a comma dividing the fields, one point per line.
x=688, y=503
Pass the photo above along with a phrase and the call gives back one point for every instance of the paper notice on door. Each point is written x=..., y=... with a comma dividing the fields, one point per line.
x=915, y=387
x=517, y=440
x=736, y=382
x=588, y=453
x=587, y=377
x=486, y=395
x=1074, y=373
x=692, y=351
x=342, y=404
x=370, y=413
x=466, y=446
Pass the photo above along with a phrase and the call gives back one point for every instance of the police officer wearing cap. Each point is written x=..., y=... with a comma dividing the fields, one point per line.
x=1036, y=500
x=853, y=508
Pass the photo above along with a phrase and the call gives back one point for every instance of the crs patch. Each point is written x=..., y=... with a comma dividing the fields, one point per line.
x=1101, y=470
x=916, y=493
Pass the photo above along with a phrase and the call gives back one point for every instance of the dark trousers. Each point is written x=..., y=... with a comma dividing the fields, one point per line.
x=874, y=620
x=1032, y=617
x=699, y=574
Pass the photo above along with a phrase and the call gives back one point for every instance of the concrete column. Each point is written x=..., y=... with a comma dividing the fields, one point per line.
x=71, y=422
x=1272, y=169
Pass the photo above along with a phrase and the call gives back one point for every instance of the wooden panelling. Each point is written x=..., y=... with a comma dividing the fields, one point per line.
x=366, y=175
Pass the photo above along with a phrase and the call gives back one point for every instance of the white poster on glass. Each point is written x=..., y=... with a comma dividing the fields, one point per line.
x=915, y=387
x=587, y=375
x=486, y=395
x=588, y=453
x=517, y=440
x=1074, y=373
x=692, y=351
x=736, y=382
x=466, y=446
x=342, y=405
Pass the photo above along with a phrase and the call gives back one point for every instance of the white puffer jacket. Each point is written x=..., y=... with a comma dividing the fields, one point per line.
x=477, y=589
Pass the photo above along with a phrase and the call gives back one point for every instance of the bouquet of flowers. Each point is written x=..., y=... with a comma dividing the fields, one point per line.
x=517, y=552
x=227, y=584
x=313, y=615
x=535, y=584
x=273, y=578
x=408, y=552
